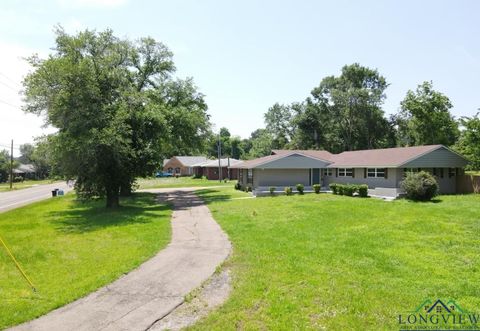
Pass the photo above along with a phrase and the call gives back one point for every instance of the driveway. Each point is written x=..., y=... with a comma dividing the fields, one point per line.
x=14, y=199
x=144, y=296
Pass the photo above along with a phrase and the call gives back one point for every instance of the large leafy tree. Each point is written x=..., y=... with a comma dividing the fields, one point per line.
x=278, y=122
x=425, y=118
x=469, y=142
x=117, y=109
x=26, y=152
x=4, y=165
x=347, y=112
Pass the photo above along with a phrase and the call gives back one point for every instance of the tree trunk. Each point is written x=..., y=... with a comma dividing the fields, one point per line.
x=113, y=199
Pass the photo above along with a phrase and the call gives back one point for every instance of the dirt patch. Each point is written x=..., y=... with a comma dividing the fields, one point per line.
x=198, y=303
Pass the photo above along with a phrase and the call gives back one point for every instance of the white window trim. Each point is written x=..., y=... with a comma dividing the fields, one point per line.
x=377, y=172
x=345, y=170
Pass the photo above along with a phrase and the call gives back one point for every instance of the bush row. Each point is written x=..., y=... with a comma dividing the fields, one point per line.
x=240, y=187
x=349, y=189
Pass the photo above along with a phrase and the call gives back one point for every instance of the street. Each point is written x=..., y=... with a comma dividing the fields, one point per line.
x=17, y=198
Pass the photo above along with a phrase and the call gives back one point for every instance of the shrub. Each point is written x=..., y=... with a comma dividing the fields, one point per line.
x=249, y=188
x=334, y=188
x=288, y=190
x=18, y=179
x=316, y=188
x=363, y=190
x=197, y=176
x=419, y=186
x=300, y=188
x=349, y=189
x=272, y=190
x=238, y=186
x=340, y=189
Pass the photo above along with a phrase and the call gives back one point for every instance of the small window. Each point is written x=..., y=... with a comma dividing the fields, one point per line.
x=240, y=176
x=376, y=172
x=170, y=170
x=345, y=172
x=177, y=170
x=328, y=172
x=250, y=176
x=452, y=172
x=405, y=170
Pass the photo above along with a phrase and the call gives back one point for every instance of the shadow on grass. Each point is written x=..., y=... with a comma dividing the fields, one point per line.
x=211, y=195
x=92, y=215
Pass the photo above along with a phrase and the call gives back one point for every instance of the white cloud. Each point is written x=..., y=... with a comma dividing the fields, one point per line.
x=77, y=4
x=14, y=123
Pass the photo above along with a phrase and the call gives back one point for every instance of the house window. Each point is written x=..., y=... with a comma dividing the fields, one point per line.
x=250, y=176
x=405, y=170
x=376, y=172
x=240, y=175
x=345, y=172
x=328, y=172
x=177, y=170
x=170, y=170
x=451, y=172
x=438, y=172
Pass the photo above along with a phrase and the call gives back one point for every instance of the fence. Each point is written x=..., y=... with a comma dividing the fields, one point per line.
x=468, y=184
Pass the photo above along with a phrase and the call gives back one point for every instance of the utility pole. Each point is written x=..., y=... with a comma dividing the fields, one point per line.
x=219, y=159
x=11, y=166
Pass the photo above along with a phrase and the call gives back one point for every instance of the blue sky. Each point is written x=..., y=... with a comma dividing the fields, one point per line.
x=246, y=55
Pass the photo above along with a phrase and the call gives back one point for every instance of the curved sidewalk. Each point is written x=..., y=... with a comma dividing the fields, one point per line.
x=140, y=298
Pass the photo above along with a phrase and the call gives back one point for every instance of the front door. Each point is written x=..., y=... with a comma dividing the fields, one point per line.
x=316, y=176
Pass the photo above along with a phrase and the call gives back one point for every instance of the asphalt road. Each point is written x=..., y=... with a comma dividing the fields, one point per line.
x=14, y=199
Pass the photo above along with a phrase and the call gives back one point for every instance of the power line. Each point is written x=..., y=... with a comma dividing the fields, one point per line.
x=14, y=82
x=11, y=88
x=9, y=104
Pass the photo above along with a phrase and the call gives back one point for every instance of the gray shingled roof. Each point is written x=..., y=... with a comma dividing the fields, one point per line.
x=189, y=161
x=214, y=163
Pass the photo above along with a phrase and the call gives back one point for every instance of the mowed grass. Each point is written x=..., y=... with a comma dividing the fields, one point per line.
x=167, y=182
x=340, y=263
x=69, y=248
x=24, y=184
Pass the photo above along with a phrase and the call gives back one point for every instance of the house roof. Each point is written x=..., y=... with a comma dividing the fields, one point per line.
x=214, y=163
x=24, y=169
x=384, y=157
x=322, y=155
x=189, y=161
x=165, y=162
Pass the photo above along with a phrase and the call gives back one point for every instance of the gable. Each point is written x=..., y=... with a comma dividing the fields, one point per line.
x=439, y=158
x=294, y=161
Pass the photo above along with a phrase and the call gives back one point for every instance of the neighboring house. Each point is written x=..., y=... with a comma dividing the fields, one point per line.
x=182, y=165
x=381, y=169
x=210, y=169
x=27, y=171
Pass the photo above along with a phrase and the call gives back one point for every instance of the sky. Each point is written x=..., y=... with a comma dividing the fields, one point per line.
x=244, y=56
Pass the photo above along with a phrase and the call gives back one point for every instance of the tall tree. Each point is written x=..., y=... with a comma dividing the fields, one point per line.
x=278, y=122
x=348, y=110
x=4, y=165
x=262, y=144
x=116, y=107
x=425, y=118
x=469, y=142
x=26, y=152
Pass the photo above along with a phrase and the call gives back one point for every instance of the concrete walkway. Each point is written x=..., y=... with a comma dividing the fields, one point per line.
x=140, y=298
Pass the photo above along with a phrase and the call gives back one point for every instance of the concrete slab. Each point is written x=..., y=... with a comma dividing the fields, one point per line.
x=142, y=297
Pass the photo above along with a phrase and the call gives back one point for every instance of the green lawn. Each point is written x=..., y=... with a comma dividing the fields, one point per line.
x=180, y=182
x=328, y=262
x=473, y=172
x=69, y=249
x=24, y=184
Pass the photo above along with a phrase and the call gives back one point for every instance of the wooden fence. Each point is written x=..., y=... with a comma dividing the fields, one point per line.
x=468, y=184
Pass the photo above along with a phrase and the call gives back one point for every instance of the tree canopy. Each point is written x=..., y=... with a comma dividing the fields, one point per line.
x=425, y=118
x=117, y=108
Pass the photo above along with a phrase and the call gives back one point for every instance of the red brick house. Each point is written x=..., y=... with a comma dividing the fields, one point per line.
x=182, y=165
x=210, y=169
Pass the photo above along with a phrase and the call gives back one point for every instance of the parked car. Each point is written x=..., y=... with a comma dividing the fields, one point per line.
x=163, y=174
